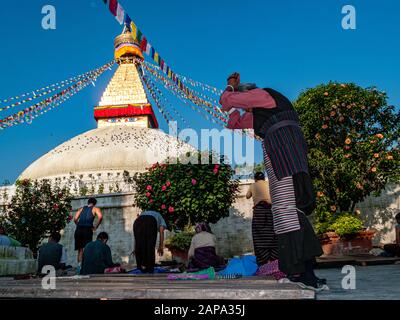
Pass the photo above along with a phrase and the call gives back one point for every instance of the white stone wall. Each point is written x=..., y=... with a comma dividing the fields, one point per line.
x=378, y=213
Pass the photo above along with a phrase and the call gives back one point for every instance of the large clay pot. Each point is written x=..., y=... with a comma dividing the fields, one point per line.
x=358, y=243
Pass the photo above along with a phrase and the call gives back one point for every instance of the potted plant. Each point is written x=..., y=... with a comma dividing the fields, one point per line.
x=179, y=243
x=345, y=234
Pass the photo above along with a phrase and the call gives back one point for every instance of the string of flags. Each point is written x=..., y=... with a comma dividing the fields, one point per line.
x=209, y=108
x=167, y=102
x=211, y=100
x=178, y=94
x=41, y=92
x=165, y=114
x=28, y=114
x=123, y=17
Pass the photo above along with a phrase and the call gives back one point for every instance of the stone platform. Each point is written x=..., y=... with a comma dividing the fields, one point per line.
x=152, y=287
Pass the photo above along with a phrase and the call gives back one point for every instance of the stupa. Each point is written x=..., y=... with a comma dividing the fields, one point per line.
x=127, y=137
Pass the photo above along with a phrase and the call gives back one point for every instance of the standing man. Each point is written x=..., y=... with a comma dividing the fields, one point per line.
x=145, y=229
x=274, y=119
x=84, y=219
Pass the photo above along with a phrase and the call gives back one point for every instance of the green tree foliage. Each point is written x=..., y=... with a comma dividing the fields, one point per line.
x=187, y=193
x=36, y=210
x=352, y=135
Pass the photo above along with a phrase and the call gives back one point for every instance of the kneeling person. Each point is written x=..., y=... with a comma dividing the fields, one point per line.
x=202, y=253
x=52, y=253
x=97, y=256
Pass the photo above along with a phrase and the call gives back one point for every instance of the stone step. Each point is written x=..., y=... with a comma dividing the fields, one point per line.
x=147, y=287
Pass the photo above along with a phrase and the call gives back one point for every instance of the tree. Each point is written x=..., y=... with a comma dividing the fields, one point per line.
x=36, y=210
x=187, y=193
x=352, y=135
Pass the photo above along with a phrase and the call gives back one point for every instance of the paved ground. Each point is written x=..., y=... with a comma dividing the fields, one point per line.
x=372, y=282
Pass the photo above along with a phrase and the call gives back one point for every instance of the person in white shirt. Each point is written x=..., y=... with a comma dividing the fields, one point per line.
x=202, y=252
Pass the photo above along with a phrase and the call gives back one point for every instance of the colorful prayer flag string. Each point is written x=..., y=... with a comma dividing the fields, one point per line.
x=32, y=112
x=39, y=92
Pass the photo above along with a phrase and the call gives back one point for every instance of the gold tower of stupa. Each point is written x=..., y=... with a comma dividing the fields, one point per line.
x=124, y=102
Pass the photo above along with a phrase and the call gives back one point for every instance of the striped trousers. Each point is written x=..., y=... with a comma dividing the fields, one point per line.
x=265, y=241
x=284, y=210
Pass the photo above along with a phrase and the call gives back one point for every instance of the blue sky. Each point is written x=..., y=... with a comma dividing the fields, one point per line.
x=289, y=45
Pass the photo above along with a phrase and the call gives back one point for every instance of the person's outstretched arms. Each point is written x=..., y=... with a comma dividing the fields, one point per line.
x=256, y=98
x=238, y=121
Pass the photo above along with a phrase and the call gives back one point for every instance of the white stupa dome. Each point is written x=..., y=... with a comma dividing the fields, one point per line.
x=107, y=149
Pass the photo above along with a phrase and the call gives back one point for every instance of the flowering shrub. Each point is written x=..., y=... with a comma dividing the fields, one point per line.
x=187, y=193
x=36, y=210
x=352, y=136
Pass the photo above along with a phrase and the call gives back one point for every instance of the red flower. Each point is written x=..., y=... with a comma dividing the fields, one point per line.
x=171, y=209
x=69, y=218
x=151, y=201
x=55, y=206
x=163, y=206
x=216, y=166
x=149, y=187
x=215, y=171
x=168, y=183
x=194, y=181
x=163, y=188
x=148, y=194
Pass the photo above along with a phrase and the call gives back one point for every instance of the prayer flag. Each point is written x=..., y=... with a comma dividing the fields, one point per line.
x=128, y=21
x=156, y=57
x=143, y=44
x=113, y=7
x=134, y=30
x=139, y=36
x=148, y=48
x=153, y=53
x=162, y=64
x=120, y=14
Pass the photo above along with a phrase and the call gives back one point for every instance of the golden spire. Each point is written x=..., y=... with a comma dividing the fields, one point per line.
x=125, y=46
x=124, y=102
